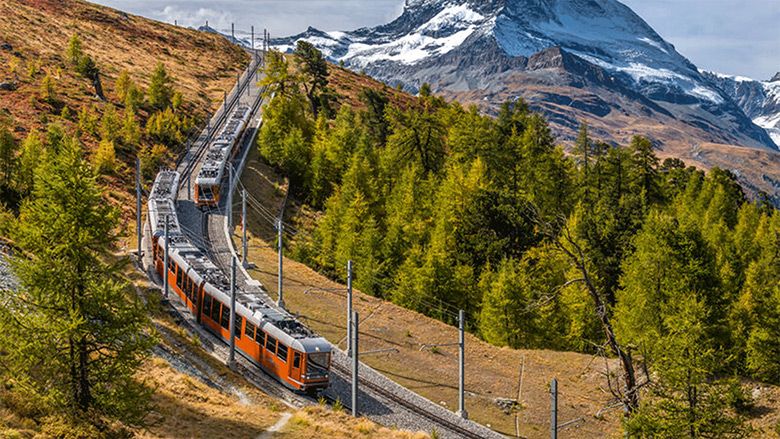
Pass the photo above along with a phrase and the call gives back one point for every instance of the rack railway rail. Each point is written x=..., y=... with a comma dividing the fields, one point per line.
x=381, y=399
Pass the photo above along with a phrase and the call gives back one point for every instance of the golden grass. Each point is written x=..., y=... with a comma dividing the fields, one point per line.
x=319, y=422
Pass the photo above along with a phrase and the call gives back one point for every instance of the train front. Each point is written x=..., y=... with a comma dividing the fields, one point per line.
x=315, y=364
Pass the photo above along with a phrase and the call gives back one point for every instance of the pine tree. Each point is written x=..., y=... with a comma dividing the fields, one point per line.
x=74, y=52
x=314, y=69
x=131, y=130
x=88, y=120
x=110, y=124
x=105, y=157
x=160, y=92
x=278, y=80
x=687, y=400
x=74, y=334
x=123, y=85
x=48, y=90
x=8, y=149
x=31, y=156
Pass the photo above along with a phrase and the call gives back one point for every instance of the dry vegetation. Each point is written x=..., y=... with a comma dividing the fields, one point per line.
x=203, y=64
x=33, y=39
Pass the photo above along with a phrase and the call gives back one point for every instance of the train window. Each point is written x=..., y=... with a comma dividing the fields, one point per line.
x=239, y=322
x=206, y=305
x=180, y=279
x=282, y=352
x=260, y=337
x=250, y=330
x=215, y=304
x=225, y=321
x=270, y=344
x=296, y=360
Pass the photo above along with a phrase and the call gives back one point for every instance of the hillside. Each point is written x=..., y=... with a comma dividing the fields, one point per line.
x=202, y=64
x=193, y=394
x=196, y=396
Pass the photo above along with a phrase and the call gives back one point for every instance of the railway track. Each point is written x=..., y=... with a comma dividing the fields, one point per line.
x=436, y=419
x=212, y=129
x=381, y=399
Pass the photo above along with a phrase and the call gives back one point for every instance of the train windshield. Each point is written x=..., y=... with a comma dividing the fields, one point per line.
x=317, y=363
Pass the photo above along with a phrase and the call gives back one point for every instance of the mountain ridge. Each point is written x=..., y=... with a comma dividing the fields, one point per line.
x=470, y=48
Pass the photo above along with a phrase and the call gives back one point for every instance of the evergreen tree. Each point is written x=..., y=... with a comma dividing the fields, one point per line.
x=8, y=148
x=278, y=80
x=88, y=120
x=31, y=156
x=416, y=137
x=123, y=85
x=74, y=334
x=87, y=68
x=374, y=117
x=687, y=401
x=74, y=52
x=644, y=169
x=48, y=90
x=105, y=157
x=314, y=69
x=160, y=92
x=131, y=130
x=110, y=124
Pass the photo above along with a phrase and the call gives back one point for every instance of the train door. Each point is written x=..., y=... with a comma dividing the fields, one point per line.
x=295, y=367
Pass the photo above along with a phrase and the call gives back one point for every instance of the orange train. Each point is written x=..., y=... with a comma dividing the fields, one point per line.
x=220, y=151
x=269, y=337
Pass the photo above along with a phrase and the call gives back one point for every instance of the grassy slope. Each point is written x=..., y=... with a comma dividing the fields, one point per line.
x=185, y=404
x=203, y=65
x=205, y=399
x=492, y=372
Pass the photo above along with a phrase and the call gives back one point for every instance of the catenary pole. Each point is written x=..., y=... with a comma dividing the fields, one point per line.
x=165, y=258
x=280, y=229
x=229, y=206
x=349, y=308
x=138, y=225
x=462, y=365
x=355, y=363
x=233, y=329
x=554, y=409
x=243, y=229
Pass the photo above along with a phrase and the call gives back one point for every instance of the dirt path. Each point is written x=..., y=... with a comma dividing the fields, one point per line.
x=268, y=434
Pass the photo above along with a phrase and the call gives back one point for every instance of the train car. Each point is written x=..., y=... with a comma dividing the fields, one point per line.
x=220, y=151
x=269, y=337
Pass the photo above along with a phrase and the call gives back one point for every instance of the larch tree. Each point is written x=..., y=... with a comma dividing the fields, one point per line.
x=160, y=91
x=8, y=148
x=31, y=156
x=74, y=333
x=314, y=69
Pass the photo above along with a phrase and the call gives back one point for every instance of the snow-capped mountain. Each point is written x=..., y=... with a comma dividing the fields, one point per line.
x=760, y=100
x=575, y=60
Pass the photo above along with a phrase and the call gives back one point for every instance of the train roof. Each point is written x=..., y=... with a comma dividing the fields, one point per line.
x=213, y=168
x=197, y=264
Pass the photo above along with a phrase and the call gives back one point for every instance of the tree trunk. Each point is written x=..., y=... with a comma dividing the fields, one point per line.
x=85, y=395
x=98, y=87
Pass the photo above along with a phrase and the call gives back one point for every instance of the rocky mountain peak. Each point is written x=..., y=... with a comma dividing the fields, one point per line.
x=775, y=78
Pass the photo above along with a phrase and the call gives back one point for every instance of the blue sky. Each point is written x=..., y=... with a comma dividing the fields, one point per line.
x=738, y=37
